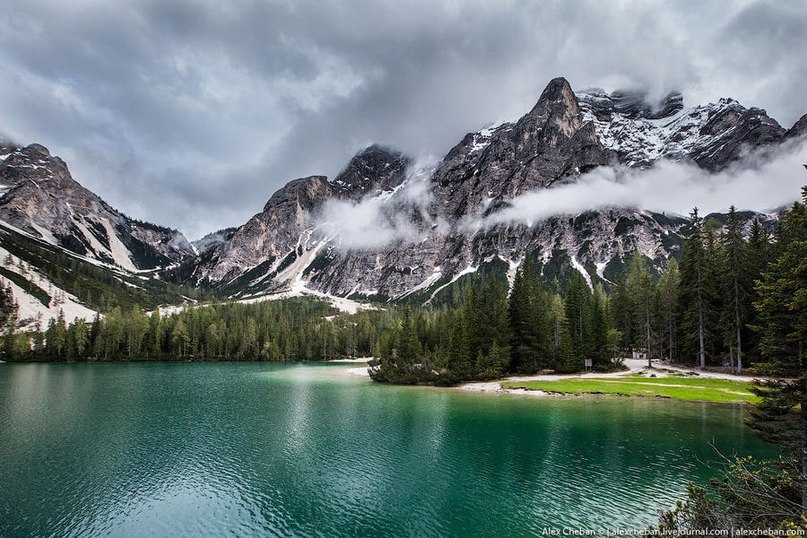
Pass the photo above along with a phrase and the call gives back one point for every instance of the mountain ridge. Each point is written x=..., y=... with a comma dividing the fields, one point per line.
x=563, y=136
x=289, y=246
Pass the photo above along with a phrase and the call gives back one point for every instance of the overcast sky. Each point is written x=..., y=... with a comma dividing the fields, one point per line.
x=191, y=113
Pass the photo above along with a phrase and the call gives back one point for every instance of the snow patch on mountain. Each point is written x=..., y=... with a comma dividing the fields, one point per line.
x=467, y=271
x=343, y=304
x=643, y=141
x=601, y=269
x=30, y=309
x=426, y=284
x=577, y=265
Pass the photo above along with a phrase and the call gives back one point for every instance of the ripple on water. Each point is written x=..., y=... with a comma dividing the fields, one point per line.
x=257, y=449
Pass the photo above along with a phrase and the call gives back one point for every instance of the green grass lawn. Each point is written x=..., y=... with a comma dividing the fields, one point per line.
x=679, y=388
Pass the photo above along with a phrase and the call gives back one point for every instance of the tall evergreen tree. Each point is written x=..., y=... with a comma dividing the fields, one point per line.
x=734, y=286
x=80, y=337
x=487, y=313
x=600, y=328
x=668, y=310
x=8, y=321
x=180, y=338
x=409, y=350
x=782, y=304
x=623, y=314
x=56, y=338
x=459, y=352
x=529, y=347
x=641, y=293
x=757, y=259
x=578, y=317
x=696, y=290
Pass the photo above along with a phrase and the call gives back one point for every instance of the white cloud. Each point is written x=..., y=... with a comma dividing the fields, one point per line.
x=674, y=187
x=380, y=219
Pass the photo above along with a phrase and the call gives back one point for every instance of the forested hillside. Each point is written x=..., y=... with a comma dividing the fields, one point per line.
x=718, y=307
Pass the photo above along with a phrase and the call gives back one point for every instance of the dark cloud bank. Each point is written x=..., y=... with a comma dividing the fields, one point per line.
x=191, y=113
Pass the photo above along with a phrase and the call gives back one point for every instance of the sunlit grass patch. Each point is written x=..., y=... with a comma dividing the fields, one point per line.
x=694, y=389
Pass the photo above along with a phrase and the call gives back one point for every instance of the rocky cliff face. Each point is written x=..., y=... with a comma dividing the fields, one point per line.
x=549, y=143
x=438, y=226
x=373, y=169
x=288, y=246
x=270, y=251
x=712, y=136
x=40, y=197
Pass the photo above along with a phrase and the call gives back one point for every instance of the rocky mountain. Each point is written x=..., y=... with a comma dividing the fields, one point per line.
x=39, y=196
x=275, y=245
x=549, y=143
x=420, y=231
x=450, y=224
x=712, y=136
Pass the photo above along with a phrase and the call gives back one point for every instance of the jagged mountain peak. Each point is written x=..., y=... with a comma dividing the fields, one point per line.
x=558, y=90
x=375, y=167
x=546, y=144
x=556, y=109
x=37, y=150
x=305, y=192
x=434, y=241
x=562, y=136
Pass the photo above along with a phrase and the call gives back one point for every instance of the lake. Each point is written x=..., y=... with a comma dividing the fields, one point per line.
x=183, y=449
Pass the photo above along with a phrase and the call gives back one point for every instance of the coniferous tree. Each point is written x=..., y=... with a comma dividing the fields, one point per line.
x=734, y=286
x=600, y=326
x=80, y=337
x=459, y=352
x=526, y=329
x=487, y=314
x=409, y=350
x=9, y=321
x=56, y=338
x=668, y=313
x=38, y=337
x=155, y=334
x=578, y=317
x=757, y=259
x=180, y=338
x=623, y=314
x=782, y=291
x=696, y=290
x=641, y=291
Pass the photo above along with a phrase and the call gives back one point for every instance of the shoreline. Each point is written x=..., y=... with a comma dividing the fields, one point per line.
x=659, y=370
x=634, y=366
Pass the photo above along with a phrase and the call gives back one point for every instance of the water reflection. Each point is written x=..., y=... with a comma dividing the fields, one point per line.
x=184, y=449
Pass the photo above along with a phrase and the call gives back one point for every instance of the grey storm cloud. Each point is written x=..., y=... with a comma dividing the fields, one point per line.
x=191, y=113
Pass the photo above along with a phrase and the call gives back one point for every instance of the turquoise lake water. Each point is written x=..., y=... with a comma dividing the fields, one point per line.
x=189, y=449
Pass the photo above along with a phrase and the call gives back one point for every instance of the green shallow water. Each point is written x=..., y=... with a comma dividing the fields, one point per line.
x=188, y=449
